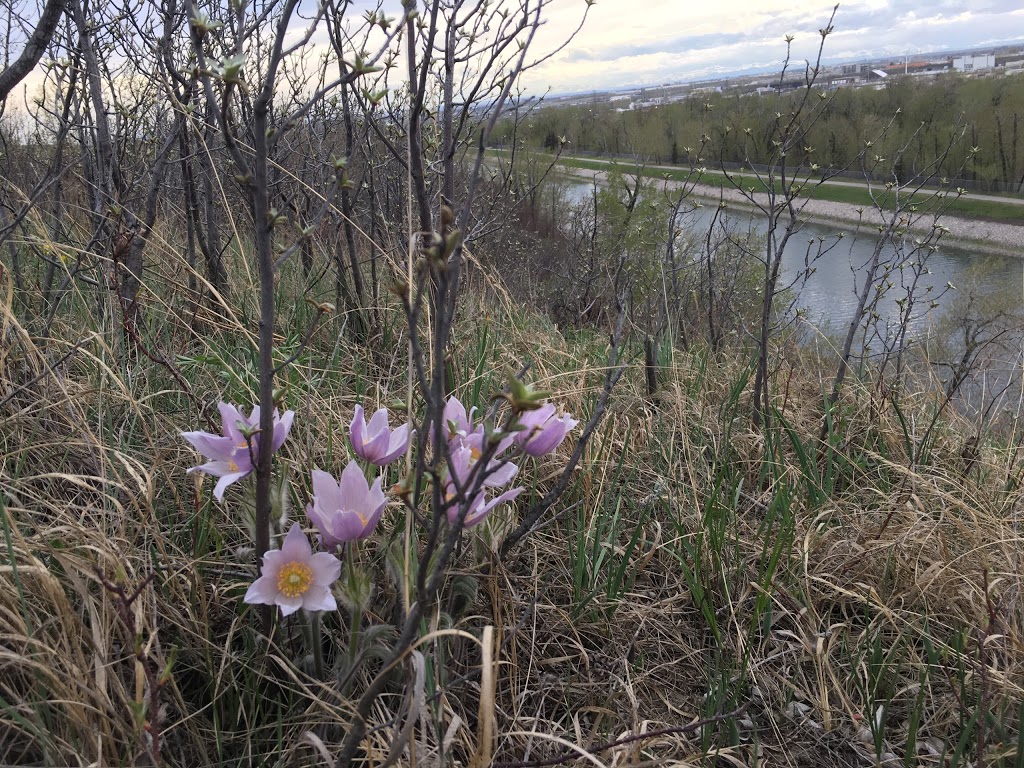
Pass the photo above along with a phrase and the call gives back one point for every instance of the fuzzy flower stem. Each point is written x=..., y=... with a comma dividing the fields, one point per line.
x=316, y=640
x=356, y=614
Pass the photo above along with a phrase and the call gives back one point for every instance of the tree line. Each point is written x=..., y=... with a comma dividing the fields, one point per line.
x=903, y=116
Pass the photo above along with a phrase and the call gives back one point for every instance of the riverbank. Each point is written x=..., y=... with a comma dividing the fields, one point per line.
x=990, y=237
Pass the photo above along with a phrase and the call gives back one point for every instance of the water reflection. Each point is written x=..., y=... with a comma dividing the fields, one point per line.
x=828, y=298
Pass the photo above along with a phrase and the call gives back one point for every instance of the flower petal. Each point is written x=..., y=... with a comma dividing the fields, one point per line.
x=263, y=591
x=378, y=423
x=375, y=447
x=281, y=429
x=485, y=510
x=296, y=546
x=353, y=488
x=322, y=522
x=289, y=605
x=216, y=447
x=325, y=491
x=225, y=481
x=319, y=598
x=326, y=568
x=230, y=416
x=500, y=473
x=347, y=526
x=397, y=445
x=357, y=430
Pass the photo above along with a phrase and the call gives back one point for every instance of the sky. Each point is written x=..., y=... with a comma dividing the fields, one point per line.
x=627, y=43
x=646, y=42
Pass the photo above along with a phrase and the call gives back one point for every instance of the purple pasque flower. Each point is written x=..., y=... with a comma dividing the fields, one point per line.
x=499, y=471
x=345, y=511
x=458, y=422
x=376, y=442
x=230, y=457
x=461, y=467
x=543, y=431
x=294, y=577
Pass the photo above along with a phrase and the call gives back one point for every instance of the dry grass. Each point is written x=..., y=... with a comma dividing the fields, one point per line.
x=685, y=574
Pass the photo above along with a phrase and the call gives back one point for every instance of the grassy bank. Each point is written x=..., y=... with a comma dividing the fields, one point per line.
x=827, y=603
x=967, y=206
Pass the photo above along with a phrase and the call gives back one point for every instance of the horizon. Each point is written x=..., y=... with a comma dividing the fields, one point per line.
x=620, y=49
x=630, y=49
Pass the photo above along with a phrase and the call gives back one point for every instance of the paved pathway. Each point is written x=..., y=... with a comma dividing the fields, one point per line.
x=837, y=182
x=987, y=236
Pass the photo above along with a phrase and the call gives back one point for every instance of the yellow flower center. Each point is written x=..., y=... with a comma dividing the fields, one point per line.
x=294, y=579
x=474, y=454
x=233, y=465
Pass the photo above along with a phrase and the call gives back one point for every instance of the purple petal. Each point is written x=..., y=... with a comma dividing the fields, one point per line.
x=454, y=412
x=377, y=501
x=289, y=605
x=476, y=516
x=500, y=474
x=533, y=421
x=545, y=441
x=347, y=526
x=281, y=430
x=460, y=464
x=455, y=416
x=263, y=591
x=296, y=546
x=325, y=491
x=485, y=510
x=376, y=447
x=225, y=481
x=538, y=417
x=322, y=522
x=397, y=446
x=378, y=423
x=230, y=416
x=326, y=568
x=272, y=562
x=319, y=598
x=353, y=487
x=476, y=504
x=505, y=443
x=211, y=446
x=357, y=431
x=215, y=468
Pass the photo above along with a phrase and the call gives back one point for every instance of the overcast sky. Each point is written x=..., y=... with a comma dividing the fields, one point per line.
x=627, y=42
x=647, y=42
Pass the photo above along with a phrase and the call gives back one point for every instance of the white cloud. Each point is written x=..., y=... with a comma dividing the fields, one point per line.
x=637, y=41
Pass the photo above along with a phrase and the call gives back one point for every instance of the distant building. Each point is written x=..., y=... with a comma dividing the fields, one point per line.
x=837, y=82
x=657, y=101
x=1010, y=60
x=974, y=63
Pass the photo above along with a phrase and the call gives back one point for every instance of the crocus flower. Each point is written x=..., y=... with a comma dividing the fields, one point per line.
x=543, y=431
x=499, y=471
x=376, y=442
x=461, y=466
x=458, y=422
x=293, y=577
x=229, y=454
x=345, y=511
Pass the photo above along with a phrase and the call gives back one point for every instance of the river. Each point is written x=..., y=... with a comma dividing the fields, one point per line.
x=828, y=298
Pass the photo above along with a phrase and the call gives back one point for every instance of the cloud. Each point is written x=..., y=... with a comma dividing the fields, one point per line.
x=627, y=42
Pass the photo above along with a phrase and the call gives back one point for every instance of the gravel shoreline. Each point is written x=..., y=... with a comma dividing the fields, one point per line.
x=968, y=234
